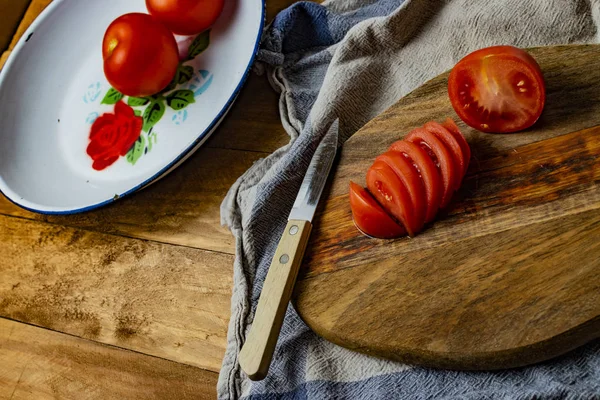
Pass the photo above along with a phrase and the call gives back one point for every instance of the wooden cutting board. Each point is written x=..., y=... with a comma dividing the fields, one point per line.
x=509, y=275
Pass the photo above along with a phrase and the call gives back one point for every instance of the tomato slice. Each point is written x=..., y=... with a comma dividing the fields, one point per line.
x=428, y=172
x=409, y=176
x=369, y=217
x=390, y=192
x=451, y=126
x=497, y=89
x=451, y=144
x=441, y=157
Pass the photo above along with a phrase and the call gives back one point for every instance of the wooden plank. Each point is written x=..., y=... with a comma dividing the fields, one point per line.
x=507, y=275
x=168, y=301
x=34, y=9
x=3, y=58
x=41, y=364
x=181, y=209
x=253, y=123
x=11, y=12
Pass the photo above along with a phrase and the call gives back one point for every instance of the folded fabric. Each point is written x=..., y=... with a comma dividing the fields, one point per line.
x=352, y=59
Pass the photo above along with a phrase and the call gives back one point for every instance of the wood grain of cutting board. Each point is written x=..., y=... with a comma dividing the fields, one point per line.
x=509, y=274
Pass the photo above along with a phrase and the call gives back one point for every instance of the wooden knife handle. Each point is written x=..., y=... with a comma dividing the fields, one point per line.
x=257, y=352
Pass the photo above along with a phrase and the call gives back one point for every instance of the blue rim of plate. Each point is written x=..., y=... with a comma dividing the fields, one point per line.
x=180, y=158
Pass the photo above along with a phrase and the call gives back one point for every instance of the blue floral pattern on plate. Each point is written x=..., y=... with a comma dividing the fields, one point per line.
x=92, y=93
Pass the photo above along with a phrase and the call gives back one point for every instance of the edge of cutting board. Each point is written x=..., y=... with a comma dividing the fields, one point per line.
x=349, y=299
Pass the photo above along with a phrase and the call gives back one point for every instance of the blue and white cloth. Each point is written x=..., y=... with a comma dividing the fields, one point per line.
x=352, y=59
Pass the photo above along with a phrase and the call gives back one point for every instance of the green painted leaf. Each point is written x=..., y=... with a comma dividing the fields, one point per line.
x=136, y=151
x=152, y=139
x=112, y=97
x=153, y=113
x=138, y=113
x=199, y=44
x=184, y=74
x=138, y=101
x=180, y=99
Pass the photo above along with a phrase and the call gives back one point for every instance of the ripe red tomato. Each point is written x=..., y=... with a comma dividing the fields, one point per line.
x=390, y=192
x=186, y=17
x=428, y=172
x=442, y=158
x=451, y=144
x=409, y=183
x=140, y=55
x=450, y=125
x=497, y=89
x=409, y=176
x=369, y=217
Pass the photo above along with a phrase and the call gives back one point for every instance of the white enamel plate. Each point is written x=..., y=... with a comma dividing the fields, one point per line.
x=53, y=90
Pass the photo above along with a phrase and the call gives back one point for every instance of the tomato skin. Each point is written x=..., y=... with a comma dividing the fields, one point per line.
x=369, y=217
x=445, y=162
x=409, y=176
x=390, y=192
x=140, y=55
x=451, y=126
x=451, y=144
x=186, y=17
x=428, y=172
x=497, y=89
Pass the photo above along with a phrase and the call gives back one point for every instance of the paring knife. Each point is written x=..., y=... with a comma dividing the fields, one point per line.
x=257, y=352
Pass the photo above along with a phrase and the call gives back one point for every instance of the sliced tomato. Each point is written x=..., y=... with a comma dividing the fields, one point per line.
x=441, y=157
x=497, y=89
x=390, y=192
x=409, y=176
x=428, y=172
x=369, y=217
x=466, y=149
x=451, y=144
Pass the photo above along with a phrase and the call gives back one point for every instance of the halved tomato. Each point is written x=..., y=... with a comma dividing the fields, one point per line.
x=451, y=144
x=409, y=175
x=428, y=172
x=497, y=89
x=441, y=157
x=369, y=217
x=390, y=192
x=466, y=149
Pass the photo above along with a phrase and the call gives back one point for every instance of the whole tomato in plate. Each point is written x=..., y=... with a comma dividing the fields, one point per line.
x=186, y=17
x=140, y=55
x=497, y=89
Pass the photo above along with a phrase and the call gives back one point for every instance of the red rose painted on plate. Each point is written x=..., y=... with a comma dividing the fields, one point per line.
x=113, y=135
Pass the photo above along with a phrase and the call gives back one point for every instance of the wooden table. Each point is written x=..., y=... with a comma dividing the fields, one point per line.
x=110, y=304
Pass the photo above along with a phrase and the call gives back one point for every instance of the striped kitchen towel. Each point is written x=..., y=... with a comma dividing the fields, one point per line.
x=353, y=59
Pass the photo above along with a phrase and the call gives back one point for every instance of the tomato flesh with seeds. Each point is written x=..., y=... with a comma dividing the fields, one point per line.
x=451, y=144
x=427, y=171
x=442, y=158
x=390, y=192
x=409, y=183
x=451, y=126
x=409, y=175
x=369, y=217
x=497, y=89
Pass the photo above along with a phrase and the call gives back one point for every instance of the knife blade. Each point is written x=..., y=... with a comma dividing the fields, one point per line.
x=316, y=176
x=257, y=351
